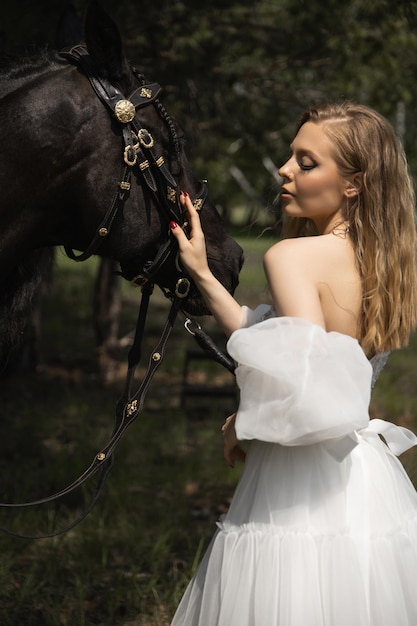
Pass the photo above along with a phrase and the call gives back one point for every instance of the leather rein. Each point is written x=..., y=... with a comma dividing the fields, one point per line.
x=138, y=150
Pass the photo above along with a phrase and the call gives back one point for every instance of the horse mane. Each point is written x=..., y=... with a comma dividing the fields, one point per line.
x=22, y=287
x=20, y=305
x=15, y=70
x=21, y=293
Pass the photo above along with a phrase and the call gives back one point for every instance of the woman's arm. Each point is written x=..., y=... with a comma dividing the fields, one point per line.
x=227, y=312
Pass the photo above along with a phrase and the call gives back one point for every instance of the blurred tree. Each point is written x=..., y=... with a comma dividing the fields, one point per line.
x=237, y=75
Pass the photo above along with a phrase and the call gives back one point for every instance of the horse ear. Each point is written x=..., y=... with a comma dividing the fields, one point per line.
x=104, y=41
x=69, y=30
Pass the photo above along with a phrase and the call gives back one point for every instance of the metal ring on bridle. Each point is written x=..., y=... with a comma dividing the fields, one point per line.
x=187, y=325
x=182, y=288
x=145, y=138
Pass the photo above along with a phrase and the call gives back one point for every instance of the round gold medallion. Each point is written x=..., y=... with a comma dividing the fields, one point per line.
x=124, y=111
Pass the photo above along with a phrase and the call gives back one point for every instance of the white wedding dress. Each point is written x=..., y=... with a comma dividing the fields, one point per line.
x=322, y=529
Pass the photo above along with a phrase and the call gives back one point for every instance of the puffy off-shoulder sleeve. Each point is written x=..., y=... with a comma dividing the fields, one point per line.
x=298, y=383
x=254, y=316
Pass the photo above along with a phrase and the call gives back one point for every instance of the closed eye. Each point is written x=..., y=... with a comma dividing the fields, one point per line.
x=306, y=166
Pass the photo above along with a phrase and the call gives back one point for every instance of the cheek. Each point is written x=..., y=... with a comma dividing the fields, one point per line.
x=319, y=187
x=312, y=187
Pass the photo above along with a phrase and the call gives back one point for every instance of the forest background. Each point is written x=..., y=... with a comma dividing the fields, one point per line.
x=236, y=75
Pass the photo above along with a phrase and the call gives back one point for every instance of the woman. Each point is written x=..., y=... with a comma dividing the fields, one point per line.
x=322, y=529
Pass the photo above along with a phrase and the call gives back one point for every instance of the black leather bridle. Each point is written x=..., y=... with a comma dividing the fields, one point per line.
x=138, y=151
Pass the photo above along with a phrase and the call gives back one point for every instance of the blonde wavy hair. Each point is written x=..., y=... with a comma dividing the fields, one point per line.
x=381, y=220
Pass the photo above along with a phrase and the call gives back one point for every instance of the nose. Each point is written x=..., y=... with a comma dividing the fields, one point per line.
x=285, y=171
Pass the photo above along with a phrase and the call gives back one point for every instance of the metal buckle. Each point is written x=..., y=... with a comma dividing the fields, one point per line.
x=139, y=281
x=145, y=138
x=182, y=288
x=127, y=158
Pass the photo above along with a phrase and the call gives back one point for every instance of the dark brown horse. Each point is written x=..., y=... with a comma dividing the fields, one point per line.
x=64, y=153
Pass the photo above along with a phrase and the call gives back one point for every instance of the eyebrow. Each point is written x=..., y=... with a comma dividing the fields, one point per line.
x=305, y=152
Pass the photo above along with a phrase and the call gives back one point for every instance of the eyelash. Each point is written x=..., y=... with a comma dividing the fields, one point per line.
x=302, y=166
x=306, y=168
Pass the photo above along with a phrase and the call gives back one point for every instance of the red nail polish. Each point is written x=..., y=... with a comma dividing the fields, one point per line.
x=173, y=225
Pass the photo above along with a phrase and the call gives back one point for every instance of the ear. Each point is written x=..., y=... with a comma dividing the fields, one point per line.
x=354, y=185
x=70, y=29
x=104, y=42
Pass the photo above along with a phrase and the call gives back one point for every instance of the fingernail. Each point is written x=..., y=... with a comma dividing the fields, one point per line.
x=173, y=225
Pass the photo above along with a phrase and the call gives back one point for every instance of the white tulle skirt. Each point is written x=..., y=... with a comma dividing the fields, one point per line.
x=310, y=540
x=322, y=529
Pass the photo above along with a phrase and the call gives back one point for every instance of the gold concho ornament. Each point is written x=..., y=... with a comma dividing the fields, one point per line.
x=145, y=93
x=124, y=111
x=171, y=194
x=131, y=407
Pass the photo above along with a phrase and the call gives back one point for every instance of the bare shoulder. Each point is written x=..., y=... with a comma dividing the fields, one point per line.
x=286, y=246
x=312, y=253
x=299, y=251
x=291, y=281
x=315, y=278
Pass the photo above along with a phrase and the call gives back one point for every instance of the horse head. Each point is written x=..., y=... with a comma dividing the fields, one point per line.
x=138, y=173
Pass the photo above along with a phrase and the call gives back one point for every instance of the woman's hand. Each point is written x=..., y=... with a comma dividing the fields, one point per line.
x=232, y=450
x=193, y=252
x=193, y=255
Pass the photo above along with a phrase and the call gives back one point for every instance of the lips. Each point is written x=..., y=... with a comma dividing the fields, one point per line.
x=285, y=193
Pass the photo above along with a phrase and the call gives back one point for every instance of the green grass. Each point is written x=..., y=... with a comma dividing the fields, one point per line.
x=129, y=561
